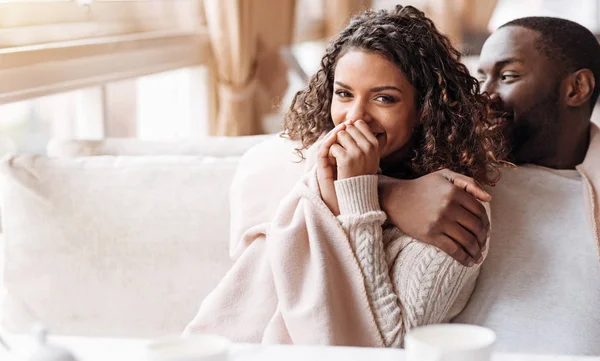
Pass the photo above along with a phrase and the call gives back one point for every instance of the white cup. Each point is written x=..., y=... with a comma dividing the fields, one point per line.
x=449, y=342
x=189, y=348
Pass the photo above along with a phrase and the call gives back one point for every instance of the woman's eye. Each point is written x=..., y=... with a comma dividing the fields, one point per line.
x=385, y=99
x=343, y=94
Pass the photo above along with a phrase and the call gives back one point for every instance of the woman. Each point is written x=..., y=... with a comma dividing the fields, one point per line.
x=390, y=98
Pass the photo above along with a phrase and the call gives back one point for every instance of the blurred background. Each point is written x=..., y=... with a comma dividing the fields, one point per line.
x=175, y=69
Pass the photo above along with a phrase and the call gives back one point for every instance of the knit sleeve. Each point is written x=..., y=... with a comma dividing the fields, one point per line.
x=417, y=286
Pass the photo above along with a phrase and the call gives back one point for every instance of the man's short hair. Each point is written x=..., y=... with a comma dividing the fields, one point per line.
x=571, y=45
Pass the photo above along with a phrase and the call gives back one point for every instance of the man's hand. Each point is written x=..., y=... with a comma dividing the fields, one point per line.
x=441, y=209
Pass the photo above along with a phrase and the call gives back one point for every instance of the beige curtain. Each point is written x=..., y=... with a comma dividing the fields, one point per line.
x=338, y=12
x=478, y=14
x=455, y=17
x=246, y=36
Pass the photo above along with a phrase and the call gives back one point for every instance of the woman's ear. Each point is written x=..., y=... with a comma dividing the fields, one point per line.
x=580, y=87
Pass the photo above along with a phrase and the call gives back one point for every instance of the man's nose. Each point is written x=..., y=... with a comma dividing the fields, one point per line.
x=494, y=98
x=487, y=87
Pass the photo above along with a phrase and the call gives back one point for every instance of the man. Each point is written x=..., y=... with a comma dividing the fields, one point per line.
x=539, y=288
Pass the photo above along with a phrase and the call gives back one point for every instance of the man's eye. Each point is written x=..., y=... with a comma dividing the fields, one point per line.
x=343, y=94
x=509, y=77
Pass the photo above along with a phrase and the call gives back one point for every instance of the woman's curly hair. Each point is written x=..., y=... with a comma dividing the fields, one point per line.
x=453, y=130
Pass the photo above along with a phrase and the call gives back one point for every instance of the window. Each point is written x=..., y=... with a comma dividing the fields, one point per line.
x=34, y=22
x=26, y=126
x=173, y=105
x=51, y=46
x=96, y=68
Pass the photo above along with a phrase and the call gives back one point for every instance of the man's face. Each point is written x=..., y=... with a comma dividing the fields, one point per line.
x=525, y=92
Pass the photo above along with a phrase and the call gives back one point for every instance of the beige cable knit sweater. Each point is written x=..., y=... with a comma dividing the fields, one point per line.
x=304, y=276
x=421, y=286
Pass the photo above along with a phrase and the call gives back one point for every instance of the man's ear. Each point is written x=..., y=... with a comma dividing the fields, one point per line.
x=580, y=87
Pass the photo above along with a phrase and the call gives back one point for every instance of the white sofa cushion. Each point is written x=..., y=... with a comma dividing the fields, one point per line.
x=113, y=246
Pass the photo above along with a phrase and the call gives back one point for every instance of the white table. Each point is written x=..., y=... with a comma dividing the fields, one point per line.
x=100, y=349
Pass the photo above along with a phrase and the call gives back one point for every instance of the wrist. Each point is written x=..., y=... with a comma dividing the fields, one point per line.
x=357, y=195
x=390, y=189
x=347, y=173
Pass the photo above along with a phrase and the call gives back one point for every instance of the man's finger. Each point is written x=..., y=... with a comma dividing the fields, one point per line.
x=454, y=250
x=467, y=184
x=468, y=202
x=466, y=239
x=472, y=223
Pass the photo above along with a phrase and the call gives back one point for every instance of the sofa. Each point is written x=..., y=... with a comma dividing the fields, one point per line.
x=115, y=238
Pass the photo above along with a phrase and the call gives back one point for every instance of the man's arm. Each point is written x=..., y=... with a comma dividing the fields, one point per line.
x=442, y=209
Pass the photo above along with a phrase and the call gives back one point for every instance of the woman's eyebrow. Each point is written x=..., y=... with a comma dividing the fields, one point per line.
x=343, y=85
x=376, y=89
x=386, y=87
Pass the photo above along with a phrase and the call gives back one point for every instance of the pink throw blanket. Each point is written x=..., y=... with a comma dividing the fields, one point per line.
x=296, y=279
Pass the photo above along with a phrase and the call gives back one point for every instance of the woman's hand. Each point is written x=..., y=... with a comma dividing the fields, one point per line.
x=356, y=151
x=327, y=171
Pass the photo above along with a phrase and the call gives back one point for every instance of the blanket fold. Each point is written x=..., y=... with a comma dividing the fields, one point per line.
x=298, y=280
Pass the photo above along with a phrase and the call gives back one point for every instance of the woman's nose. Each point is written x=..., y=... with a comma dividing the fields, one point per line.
x=357, y=111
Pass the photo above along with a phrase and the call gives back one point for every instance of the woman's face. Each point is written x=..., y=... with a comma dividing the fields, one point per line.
x=368, y=86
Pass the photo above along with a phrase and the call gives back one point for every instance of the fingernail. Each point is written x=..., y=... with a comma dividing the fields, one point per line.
x=471, y=263
x=480, y=259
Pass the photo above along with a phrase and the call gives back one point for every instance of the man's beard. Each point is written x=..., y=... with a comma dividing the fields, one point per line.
x=534, y=131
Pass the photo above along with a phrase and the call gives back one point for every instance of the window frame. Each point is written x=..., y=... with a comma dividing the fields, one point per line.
x=146, y=37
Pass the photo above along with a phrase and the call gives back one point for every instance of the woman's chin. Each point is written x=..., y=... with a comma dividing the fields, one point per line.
x=388, y=156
